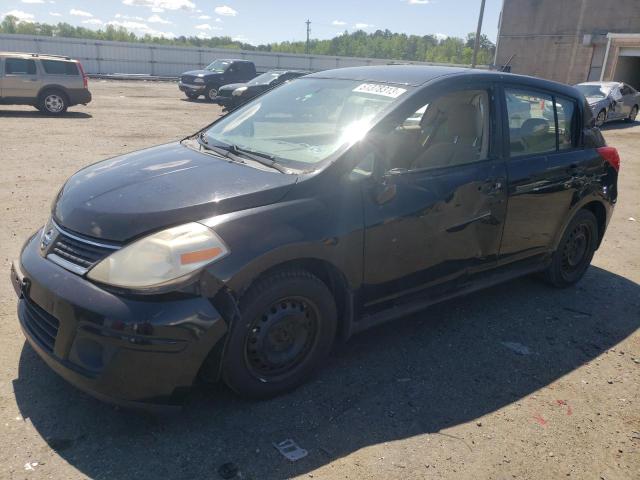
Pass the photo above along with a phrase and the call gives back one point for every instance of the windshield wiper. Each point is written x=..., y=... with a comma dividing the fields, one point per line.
x=223, y=152
x=260, y=157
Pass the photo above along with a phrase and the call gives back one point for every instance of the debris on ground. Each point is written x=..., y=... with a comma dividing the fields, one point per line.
x=290, y=450
x=517, y=348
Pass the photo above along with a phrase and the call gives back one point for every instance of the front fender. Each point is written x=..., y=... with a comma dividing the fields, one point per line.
x=326, y=227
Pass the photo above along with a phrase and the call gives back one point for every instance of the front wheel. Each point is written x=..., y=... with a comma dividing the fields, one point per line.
x=601, y=118
x=211, y=94
x=575, y=251
x=286, y=329
x=192, y=96
x=633, y=114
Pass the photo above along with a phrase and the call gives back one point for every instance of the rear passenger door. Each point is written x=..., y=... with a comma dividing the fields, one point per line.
x=21, y=78
x=543, y=169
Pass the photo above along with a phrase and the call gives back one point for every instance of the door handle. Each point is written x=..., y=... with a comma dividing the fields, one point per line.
x=491, y=187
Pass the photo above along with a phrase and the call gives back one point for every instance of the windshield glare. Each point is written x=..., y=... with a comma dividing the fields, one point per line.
x=304, y=122
x=593, y=91
x=264, y=79
x=217, y=66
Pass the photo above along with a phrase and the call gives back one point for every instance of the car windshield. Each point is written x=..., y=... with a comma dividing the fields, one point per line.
x=265, y=78
x=594, y=91
x=218, y=66
x=303, y=123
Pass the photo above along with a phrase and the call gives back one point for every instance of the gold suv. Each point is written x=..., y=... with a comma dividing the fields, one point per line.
x=51, y=83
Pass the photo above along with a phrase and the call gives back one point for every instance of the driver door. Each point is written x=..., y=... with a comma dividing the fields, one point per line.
x=435, y=211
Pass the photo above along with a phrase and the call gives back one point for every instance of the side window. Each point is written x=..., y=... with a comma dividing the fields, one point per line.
x=452, y=129
x=531, y=122
x=55, y=67
x=20, y=66
x=566, y=111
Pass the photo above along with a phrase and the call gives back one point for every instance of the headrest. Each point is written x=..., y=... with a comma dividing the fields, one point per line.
x=533, y=127
x=462, y=120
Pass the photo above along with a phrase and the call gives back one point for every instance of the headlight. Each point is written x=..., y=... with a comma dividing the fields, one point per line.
x=239, y=91
x=161, y=257
x=198, y=80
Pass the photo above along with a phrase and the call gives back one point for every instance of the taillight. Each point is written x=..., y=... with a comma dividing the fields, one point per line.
x=610, y=154
x=85, y=79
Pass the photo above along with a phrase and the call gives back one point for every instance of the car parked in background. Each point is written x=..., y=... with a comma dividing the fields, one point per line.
x=235, y=94
x=220, y=72
x=611, y=101
x=329, y=205
x=51, y=83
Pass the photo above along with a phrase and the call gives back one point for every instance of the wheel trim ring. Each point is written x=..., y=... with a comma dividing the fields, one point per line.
x=53, y=103
x=292, y=365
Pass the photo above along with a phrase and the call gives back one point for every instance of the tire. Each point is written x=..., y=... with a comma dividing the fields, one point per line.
x=192, y=96
x=53, y=102
x=601, y=118
x=575, y=251
x=633, y=114
x=211, y=93
x=286, y=329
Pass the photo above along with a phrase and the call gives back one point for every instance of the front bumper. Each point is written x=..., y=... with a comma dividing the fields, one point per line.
x=190, y=88
x=136, y=352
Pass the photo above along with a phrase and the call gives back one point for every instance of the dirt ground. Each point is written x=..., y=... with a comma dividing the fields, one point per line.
x=440, y=394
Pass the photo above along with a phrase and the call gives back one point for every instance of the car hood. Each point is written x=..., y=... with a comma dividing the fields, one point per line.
x=203, y=73
x=140, y=192
x=596, y=100
x=232, y=86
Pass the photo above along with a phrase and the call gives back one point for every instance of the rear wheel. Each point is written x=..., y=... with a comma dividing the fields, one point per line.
x=601, y=118
x=575, y=251
x=633, y=114
x=53, y=102
x=286, y=328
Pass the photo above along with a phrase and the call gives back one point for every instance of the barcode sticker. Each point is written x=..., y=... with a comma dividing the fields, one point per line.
x=377, y=89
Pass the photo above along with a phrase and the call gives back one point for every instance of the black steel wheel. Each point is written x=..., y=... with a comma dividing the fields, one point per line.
x=575, y=251
x=281, y=338
x=286, y=328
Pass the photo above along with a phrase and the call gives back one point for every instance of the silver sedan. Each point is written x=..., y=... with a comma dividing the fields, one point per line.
x=611, y=101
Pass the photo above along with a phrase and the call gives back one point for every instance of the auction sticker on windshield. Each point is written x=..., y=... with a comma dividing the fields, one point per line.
x=377, y=89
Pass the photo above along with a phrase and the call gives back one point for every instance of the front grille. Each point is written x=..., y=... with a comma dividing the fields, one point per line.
x=79, y=253
x=187, y=78
x=41, y=325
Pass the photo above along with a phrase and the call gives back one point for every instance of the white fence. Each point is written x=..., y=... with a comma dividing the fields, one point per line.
x=105, y=57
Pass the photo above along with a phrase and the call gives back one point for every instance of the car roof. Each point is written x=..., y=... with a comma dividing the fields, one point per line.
x=44, y=56
x=417, y=75
x=413, y=75
x=282, y=71
x=602, y=84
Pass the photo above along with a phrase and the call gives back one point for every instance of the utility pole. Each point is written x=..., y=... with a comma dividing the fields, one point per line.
x=476, y=45
x=308, y=22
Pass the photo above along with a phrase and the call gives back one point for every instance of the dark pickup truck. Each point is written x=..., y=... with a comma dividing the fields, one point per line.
x=220, y=72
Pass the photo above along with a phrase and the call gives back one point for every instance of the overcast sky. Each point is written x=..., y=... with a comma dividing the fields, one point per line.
x=263, y=21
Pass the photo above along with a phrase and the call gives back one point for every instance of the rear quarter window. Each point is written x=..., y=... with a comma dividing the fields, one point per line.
x=55, y=67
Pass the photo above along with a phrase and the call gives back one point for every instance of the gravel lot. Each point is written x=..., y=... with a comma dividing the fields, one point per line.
x=434, y=395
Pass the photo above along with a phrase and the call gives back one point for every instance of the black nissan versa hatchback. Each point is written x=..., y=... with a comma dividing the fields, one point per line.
x=326, y=206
